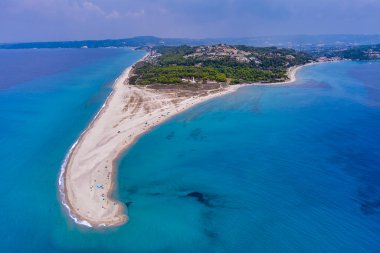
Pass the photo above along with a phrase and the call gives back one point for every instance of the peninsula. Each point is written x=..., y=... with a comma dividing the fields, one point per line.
x=167, y=81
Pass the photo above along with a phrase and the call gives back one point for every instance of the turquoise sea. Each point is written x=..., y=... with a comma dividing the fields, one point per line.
x=267, y=169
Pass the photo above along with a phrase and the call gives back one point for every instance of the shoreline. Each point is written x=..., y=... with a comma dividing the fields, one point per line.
x=71, y=181
x=61, y=180
x=291, y=73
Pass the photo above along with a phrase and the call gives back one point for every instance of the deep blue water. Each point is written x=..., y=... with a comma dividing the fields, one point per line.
x=267, y=169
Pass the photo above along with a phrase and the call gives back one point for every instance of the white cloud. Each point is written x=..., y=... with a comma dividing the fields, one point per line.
x=113, y=15
x=74, y=9
x=135, y=14
x=89, y=6
x=96, y=9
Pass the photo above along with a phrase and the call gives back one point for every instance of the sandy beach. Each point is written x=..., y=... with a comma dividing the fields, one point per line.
x=87, y=180
x=87, y=176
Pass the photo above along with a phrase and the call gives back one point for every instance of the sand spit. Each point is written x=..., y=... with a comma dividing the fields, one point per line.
x=87, y=179
x=87, y=175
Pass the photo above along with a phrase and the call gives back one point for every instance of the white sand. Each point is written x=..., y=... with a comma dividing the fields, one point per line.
x=88, y=176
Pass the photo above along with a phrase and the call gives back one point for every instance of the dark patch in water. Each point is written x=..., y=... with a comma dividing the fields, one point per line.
x=209, y=230
x=359, y=158
x=170, y=135
x=196, y=134
x=128, y=203
x=369, y=199
x=210, y=234
x=364, y=167
x=200, y=197
x=197, y=195
x=132, y=190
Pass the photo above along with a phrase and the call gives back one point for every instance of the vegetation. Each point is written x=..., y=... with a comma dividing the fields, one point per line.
x=217, y=63
x=357, y=53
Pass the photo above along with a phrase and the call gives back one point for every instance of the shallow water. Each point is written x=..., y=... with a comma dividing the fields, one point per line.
x=266, y=169
x=47, y=98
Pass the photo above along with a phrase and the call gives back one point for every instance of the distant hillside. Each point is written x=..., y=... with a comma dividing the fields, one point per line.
x=136, y=42
x=131, y=42
x=368, y=52
x=298, y=42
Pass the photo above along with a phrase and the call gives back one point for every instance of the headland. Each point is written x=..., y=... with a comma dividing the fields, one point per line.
x=87, y=178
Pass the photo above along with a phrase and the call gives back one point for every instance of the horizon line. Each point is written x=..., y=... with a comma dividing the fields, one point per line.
x=194, y=39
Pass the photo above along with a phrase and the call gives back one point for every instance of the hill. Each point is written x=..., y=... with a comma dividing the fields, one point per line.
x=216, y=63
x=361, y=53
x=299, y=42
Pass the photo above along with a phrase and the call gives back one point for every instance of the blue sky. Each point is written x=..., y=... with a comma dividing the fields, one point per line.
x=46, y=20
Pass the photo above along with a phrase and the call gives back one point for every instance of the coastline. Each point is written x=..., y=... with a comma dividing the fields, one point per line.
x=89, y=202
x=85, y=190
x=291, y=73
x=61, y=180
